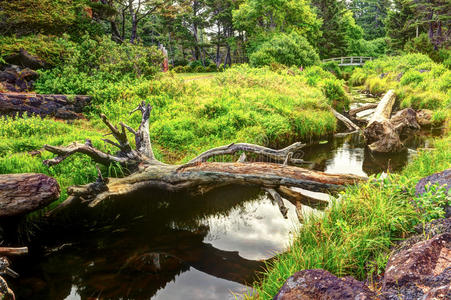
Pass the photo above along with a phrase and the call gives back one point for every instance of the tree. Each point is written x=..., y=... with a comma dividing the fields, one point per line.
x=287, y=49
x=397, y=22
x=370, y=15
x=260, y=19
x=435, y=15
x=338, y=28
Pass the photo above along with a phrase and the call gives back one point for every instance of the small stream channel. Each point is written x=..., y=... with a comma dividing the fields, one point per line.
x=159, y=245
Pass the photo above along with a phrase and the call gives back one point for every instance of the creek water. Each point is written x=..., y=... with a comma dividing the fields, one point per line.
x=157, y=245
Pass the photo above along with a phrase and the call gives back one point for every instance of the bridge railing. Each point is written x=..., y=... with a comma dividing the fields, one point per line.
x=350, y=60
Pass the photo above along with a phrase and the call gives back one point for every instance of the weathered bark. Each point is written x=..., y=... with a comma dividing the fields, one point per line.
x=384, y=108
x=380, y=133
x=24, y=193
x=8, y=251
x=196, y=175
x=349, y=124
x=355, y=111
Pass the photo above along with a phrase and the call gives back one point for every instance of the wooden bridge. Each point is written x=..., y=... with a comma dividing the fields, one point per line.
x=350, y=60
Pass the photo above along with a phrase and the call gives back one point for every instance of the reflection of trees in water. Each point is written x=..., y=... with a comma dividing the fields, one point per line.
x=145, y=245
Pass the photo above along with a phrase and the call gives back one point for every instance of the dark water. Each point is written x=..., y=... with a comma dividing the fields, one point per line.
x=158, y=245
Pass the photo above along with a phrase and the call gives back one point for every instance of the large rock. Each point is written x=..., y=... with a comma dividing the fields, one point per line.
x=320, y=284
x=24, y=193
x=421, y=271
x=58, y=106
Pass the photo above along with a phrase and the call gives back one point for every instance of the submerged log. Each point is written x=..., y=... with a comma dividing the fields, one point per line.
x=24, y=193
x=196, y=175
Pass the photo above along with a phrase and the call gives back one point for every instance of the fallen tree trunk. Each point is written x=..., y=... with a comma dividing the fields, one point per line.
x=197, y=175
x=24, y=193
x=380, y=133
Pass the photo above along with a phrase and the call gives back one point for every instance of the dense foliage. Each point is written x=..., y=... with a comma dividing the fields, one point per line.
x=287, y=49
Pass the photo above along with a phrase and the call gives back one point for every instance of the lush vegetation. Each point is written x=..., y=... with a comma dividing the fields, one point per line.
x=418, y=82
x=355, y=235
x=258, y=79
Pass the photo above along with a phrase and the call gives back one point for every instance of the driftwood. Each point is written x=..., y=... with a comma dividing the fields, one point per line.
x=24, y=193
x=198, y=175
x=380, y=133
x=355, y=111
x=348, y=123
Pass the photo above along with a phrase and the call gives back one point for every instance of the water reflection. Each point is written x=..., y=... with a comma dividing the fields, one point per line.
x=181, y=247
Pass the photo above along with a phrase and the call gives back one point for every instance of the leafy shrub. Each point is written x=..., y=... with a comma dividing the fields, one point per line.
x=412, y=77
x=427, y=99
x=55, y=51
x=199, y=69
x=211, y=68
x=358, y=77
x=179, y=69
x=287, y=49
x=94, y=63
x=422, y=44
x=333, y=67
x=195, y=63
x=432, y=203
x=335, y=93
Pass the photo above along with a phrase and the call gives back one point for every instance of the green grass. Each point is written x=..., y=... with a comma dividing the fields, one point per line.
x=195, y=75
x=240, y=105
x=418, y=82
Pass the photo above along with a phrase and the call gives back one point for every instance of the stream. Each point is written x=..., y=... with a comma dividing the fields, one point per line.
x=159, y=245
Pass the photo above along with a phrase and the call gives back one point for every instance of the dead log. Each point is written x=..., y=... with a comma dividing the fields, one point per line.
x=384, y=108
x=295, y=197
x=148, y=172
x=348, y=123
x=355, y=111
x=24, y=193
x=380, y=133
x=8, y=251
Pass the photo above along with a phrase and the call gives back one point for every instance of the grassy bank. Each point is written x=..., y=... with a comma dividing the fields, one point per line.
x=242, y=104
x=355, y=235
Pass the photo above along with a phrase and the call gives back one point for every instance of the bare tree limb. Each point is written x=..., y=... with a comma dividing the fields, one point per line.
x=276, y=197
x=277, y=155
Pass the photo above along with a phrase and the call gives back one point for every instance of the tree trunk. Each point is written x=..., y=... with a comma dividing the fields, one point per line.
x=24, y=193
x=198, y=175
x=380, y=133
